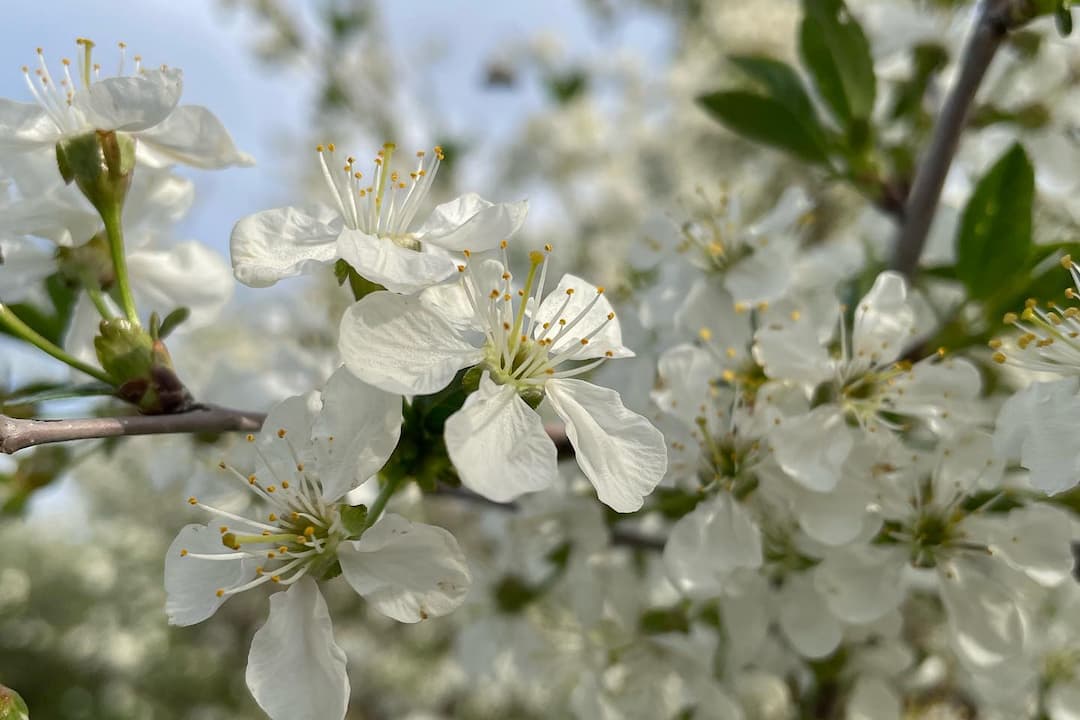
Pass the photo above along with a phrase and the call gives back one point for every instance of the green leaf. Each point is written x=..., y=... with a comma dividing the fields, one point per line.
x=769, y=121
x=993, y=242
x=1063, y=18
x=172, y=321
x=59, y=391
x=51, y=324
x=778, y=79
x=837, y=55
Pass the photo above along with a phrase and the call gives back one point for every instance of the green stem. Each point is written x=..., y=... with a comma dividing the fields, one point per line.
x=98, y=298
x=115, y=231
x=385, y=492
x=23, y=331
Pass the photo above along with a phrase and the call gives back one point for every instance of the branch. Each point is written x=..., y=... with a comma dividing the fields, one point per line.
x=994, y=20
x=17, y=434
x=619, y=536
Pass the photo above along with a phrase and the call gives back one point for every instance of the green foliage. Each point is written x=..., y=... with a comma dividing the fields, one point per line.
x=835, y=51
x=665, y=620
x=778, y=79
x=53, y=323
x=994, y=241
x=564, y=87
x=769, y=121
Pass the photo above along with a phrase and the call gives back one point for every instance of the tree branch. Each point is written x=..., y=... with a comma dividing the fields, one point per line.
x=994, y=20
x=17, y=434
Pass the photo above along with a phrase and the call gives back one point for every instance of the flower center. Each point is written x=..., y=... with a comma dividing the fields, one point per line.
x=521, y=348
x=387, y=206
x=57, y=98
x=299, y=535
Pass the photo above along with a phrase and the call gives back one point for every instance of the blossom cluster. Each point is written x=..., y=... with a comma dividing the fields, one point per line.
x=756, y=474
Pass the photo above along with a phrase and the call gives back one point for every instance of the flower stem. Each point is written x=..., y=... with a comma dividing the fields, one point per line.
x=24, y=332
x=115, y=232
x=391, y=486
x=98, y=298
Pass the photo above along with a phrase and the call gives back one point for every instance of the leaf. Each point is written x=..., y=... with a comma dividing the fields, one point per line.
x=172, y=321
x=768, y=121
x=62, y=391
x=778, y=79
x=51, y=324
x=993, y=242
x=836, y=53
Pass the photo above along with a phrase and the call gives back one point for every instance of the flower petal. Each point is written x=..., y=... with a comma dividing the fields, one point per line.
x=284, y=242
x=295, y=669
x=498, y=444
x=354, y=434
x=567, y=301
x=398, y=269
x=192, y=135
x=884, y=320
x=470, y=222
x=132, y=102
x=708, y=544
x=396, y=343
x=812, y=448
x=620, y=452
x=985, y=622
x=407, y=571
x=25, y=125
x=188, y=274
x=191, y=584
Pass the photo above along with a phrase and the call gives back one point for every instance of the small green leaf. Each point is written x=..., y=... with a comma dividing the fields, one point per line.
x=767, y=121
x=778, y=79
x=60, y=391
x=837, y=55
x=1063, y=18
x=994, y=239
x=172, y=321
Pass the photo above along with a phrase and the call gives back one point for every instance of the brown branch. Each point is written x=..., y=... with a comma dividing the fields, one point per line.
x=995, y=19
x=17, y=434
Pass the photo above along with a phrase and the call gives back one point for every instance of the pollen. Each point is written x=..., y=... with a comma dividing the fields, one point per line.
x=998, y=357
x=192, y=500
x=272, y=517
x=251, y=479
x=183, y=552
x=250, y=437
x=281, y=432
x=220, y=592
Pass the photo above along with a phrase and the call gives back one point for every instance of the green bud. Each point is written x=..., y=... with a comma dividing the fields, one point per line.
x=12, y=706
x=101, y=163
x=142, y=367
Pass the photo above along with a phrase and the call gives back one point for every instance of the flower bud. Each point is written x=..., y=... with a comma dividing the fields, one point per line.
x=142, y=367
x=12, y=706
x=101, y=163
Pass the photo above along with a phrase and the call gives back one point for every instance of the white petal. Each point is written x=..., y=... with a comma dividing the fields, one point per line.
x=1036, y=540
x=684, y=373
x=25, y=125
x=131, y=103
x=407, y=571
x=470, y=222
x=498, y=444
x=25, y=267
x=764, y=276
x=812, y=448
x=791, y=350
x=620, y=452
x=986, y=625
x=191, y=584
x=279, y=452
x=861, y=584
x=1063, y=701
x=295, y=669
x=708, y=544
x=805, y=620
x=835, y=517
x=396, y=343
x=873, y=699
x=884, y=320
x=192, y=135
x=188, y=274
x=397, y=269
x=710, y=307
x=609, y=339
x=284, y=242
x=354, y=434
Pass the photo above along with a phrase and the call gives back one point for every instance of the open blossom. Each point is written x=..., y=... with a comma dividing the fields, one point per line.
x=306, y=464
x=144, y=103
x=371, y=225
x=527, y=353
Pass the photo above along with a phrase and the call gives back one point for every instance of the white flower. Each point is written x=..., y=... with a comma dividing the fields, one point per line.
x=1038, y=426
x=307, y=463
x=143, y=104
x=371, y=226
x=416, y=345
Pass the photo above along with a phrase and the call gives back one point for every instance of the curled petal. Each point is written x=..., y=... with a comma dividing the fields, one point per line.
x=396, y=268
x=472, y=223
x=284, y=242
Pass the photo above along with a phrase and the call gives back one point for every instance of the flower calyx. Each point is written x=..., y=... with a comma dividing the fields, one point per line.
x=142, y=367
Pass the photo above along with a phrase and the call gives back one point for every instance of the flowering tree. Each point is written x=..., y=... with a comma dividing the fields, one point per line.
x=807, y=452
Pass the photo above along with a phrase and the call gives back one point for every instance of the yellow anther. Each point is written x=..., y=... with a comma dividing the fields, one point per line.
x=252, y=479
x=461, y=268
x=728, y=375
x=223, y=529
x=547, y=247
x=259, y=571
x=1009, y=318
x=731, y=352
x=221, y=465
x=220, y=592
x=272, y=517
x=192, y=501
x=285, y=484
x=994, y=344
x=741, y=307
x=504, y=244
x=1031, y=303
x=600, y=290
x=281, y=432
x=275, y=578
x=330, y=147
x=229, y=541
x=467, y=253
x=536, y=257
x=569, y=291
x=250, y=437
x=1066, y=261
x=309, y=531
x=584, y=341
x=795, y=314
x=283, y=549
x=270, y=488
x=183, y=552
x=705, y=334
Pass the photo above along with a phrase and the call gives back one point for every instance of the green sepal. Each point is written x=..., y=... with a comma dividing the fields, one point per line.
x=360, y=285
x=101, y=164
x=354, y=519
